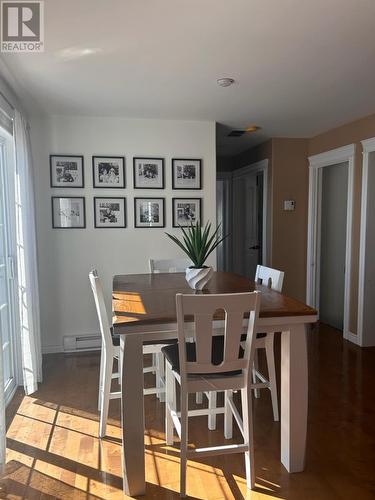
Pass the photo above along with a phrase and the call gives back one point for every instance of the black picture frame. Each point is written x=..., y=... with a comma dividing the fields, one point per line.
x=176, y=200
x=108, y=185
x=109, y=198
x=136, y=224
x=198, y=186
x=55, y=226
x=135, y=159
x=68, y=184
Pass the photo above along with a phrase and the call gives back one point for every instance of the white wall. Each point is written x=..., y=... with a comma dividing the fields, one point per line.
x=66, y=256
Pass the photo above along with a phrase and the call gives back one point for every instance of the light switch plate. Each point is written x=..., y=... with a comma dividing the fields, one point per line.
x=289, y=205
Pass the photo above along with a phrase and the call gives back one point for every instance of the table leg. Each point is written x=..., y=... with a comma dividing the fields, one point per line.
x=132, y=416
x=294, y=397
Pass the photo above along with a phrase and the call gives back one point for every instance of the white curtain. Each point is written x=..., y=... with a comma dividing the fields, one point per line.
x=27, y=272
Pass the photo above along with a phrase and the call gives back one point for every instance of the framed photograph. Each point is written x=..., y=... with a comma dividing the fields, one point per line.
x=148, y=173
x=66, y=171
x=109, y=212
x=186, y=211
x=186, y=174
x=108, y=172
x=68, y=212
x=149, y=212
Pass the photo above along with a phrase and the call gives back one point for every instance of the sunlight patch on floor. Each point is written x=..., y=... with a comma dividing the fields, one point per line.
x=74, y=461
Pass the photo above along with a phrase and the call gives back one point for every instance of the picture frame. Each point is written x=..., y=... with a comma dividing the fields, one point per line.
x=109, y=212
x=186, y=211
x=186, y=173
x=148, y=173
x=149, y=212
x=67, y=171
x=108, y=172
x=68, y=212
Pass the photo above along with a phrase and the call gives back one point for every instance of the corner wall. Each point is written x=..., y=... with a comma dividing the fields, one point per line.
x=289, y=229
x=66, y=256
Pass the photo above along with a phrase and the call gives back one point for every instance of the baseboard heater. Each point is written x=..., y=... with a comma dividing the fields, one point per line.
x=82, y=343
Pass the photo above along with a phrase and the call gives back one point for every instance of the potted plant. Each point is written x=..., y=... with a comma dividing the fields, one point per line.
x=198, y=243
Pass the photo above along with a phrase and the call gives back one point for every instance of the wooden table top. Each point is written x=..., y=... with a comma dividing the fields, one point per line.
x=151, y=298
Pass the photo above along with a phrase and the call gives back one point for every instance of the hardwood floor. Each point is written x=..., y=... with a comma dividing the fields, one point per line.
x=54, y=451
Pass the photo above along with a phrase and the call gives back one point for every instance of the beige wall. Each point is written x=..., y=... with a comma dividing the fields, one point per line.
x=289, y=229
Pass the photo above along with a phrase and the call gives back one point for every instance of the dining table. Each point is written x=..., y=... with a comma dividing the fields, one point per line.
x=144, y=310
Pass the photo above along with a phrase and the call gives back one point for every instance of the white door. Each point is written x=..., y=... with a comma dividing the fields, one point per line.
x=333, y=244
x=247, y=213
x=7, y=301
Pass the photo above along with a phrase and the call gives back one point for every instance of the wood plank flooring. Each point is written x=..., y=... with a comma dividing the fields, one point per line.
x=54, y=451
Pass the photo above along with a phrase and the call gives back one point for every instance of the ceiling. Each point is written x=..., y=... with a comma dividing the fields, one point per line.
x=301, y=67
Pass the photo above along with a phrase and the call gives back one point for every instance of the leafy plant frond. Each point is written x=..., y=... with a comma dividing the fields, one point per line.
x=198, y=242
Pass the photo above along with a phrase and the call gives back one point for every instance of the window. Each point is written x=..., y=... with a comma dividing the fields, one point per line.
x=8, y=301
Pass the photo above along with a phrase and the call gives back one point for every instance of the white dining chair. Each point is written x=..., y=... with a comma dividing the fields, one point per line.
x=212, y=362
x=111, y=351
x=271, y=278
x=179, y=265
x=169, y=265
x=157, y=266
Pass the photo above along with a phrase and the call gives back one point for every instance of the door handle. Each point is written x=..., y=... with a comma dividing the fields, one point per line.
x=255, y=247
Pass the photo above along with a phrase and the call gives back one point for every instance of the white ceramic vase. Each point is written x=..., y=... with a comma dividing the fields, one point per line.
x=198, y=278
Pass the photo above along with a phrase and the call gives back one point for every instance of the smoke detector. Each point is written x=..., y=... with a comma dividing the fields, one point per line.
x=225, y=82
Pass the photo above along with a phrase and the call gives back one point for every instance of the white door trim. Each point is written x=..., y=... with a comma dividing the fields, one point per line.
x=259, y=166
x=368, y=146
x=316, y=164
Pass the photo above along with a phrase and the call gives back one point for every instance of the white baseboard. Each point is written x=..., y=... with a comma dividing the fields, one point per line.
x=353, y=338
x=51, y=349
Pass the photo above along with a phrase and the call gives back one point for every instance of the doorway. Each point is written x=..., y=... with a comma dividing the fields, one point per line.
x=249, y=218
x=332, y=244
x=329, y=236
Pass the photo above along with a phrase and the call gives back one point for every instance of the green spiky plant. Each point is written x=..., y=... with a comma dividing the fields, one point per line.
x=198, y=242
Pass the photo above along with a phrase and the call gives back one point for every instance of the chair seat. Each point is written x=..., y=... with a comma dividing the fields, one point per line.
x=172, y=355
x=116, y=340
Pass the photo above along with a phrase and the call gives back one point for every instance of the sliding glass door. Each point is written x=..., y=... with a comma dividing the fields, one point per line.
x=7, y=292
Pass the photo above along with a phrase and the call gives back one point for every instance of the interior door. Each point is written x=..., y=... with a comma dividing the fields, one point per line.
x=333, y=244
x=6, y=283
x=247, y=248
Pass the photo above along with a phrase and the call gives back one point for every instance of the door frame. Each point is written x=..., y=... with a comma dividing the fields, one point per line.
x=226, y=177
x=254, y=168
x=316, y=165
x=368, y=147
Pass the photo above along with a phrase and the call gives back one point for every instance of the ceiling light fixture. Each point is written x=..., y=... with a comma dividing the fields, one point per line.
x=225, y=82
x=252, y=128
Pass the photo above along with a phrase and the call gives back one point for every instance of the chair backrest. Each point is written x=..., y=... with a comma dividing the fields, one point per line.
x=105, y=328
x=272, y=278
x=169, y=265
x=202, y=308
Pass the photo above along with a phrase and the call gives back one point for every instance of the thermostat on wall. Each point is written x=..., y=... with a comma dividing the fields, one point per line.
x=289, y=205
